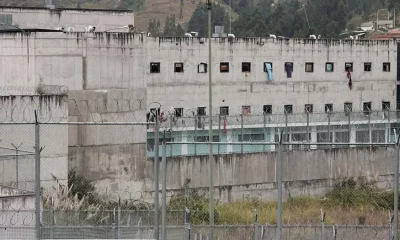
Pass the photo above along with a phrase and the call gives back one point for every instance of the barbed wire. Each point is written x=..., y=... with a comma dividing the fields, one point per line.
x=17, y=218
x=58, y=109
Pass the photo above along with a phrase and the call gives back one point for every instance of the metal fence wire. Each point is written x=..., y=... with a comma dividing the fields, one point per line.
x=353, y=207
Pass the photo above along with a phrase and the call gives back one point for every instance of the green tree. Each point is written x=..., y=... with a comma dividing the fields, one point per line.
x=154, y=27
x=199, y=20
x=170, y=26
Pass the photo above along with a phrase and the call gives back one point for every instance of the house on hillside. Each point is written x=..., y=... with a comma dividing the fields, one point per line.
x=370, y=26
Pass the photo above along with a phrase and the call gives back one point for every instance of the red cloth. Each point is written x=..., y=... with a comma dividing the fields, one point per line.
x=350, y=81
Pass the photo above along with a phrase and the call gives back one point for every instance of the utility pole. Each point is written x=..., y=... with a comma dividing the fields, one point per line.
x=230, y=16
x=210, y=130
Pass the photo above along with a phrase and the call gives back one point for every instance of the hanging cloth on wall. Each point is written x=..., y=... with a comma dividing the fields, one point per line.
x=289, y=69
x=350, y=81
x=268, y=69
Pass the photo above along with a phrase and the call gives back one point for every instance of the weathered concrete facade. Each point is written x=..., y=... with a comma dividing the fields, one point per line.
x=78, y=19
x=113, y=157
x=120, y=60
x=305, y=173
x=20, y=172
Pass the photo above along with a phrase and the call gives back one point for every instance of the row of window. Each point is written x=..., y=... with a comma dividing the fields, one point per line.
x=246, y=67
x=288, y=109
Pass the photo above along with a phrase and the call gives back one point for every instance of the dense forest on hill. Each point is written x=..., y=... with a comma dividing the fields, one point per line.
x=288, y=18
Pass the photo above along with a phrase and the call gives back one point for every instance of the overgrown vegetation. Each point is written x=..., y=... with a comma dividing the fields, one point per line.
x=79, y=194
x=289, y=18
x=351, y=201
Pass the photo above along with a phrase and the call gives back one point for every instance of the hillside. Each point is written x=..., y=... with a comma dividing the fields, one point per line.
x=144, y=9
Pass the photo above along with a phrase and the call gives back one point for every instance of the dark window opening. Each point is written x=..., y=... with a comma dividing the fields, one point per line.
x=267, y=109
x=179, y=112
x=201, y=111
x=328, y=107
x=224, y=67
x=367, y=107
x=178, y=67
x=246, y=110
x=288, y=109
x=155, y=67
x=246, y=67
x=206, y=138
x=309, y=67
x=386, y=67
x=252, y=137
x=385, y=106
x=308, y=108
x=348, y=108
x=348, y=67
x=202, y=68
x=367, y=67
x=329, y=67
x=224, y=111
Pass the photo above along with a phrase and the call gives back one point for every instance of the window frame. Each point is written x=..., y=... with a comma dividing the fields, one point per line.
x=205, y=67
x=178, y=112
x=366, y=65
x=248, y=65
x=248, y=107
x=267, y=107
x=288, y=107
x=365, y=107
x=221, y=64
x=308, y=108
x=272, y=66
x=348, y=107
x=312, y=67
x=224, y=111
x=326, y=67
x=201, y=110
x=386, y=64
x=351, y=66
x=385, y=106
x=329, y=107
x=158, y=64
x=182, y=67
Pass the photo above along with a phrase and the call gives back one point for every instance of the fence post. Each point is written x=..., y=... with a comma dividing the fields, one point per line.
x=349, y=126
x=37, y=177
x=219, y=130
x=156, y=181
x=187, y=223
x=119, y=222
x=255, y=224
x=241, y=132
x=195, y=135
x=329, y=129
x=52, y=221
x=279, y=176
x=369, y=129
x=308, y=127
x=164, y=191
x=388, y=132
x=322, y=225
x=171, y=134
x=396, y=191
x=264, y=130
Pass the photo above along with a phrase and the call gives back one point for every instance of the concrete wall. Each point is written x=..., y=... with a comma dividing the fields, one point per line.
x=305, y=173
x=20, y=173
x=77, y=18
x=113, y=157
x=235, y=89
x=122, y=61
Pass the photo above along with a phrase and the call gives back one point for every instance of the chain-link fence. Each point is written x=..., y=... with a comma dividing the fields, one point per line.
x=336, y=169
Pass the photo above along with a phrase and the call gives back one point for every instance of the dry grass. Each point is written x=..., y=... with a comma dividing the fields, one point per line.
x=300, y=211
